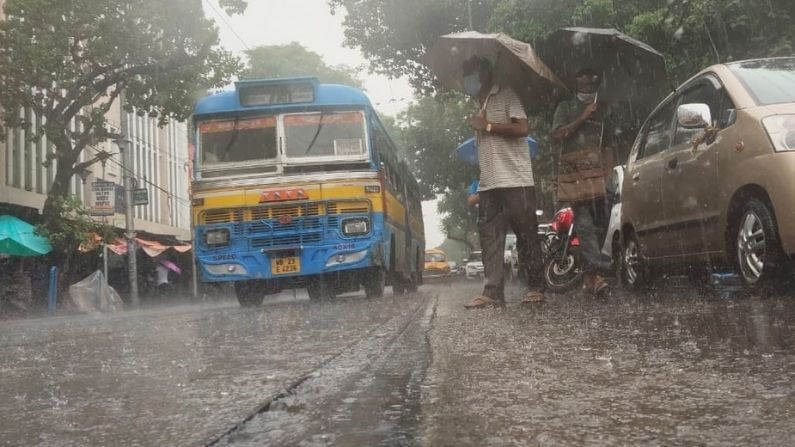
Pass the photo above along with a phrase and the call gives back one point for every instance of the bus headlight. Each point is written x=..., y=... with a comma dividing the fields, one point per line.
x=216, y=237
x=356, y=227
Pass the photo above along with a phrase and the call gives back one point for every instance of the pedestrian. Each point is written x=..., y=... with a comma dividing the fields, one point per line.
x=581, y=129
x=506, y=193
x=162, y=283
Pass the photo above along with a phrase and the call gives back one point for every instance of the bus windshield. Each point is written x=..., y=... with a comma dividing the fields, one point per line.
x=238, y=141
x=338, y=135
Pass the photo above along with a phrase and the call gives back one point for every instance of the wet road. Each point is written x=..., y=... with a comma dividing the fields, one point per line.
x=663, y=369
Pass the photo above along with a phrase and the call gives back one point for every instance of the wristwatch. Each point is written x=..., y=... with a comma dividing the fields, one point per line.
x=488, y=127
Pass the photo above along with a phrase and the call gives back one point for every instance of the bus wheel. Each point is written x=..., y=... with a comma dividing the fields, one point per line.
x=319, y=289
x=398, y=284
x=249, y=293
x=374, y=283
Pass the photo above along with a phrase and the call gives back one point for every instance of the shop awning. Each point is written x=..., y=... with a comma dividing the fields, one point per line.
x=19, y=238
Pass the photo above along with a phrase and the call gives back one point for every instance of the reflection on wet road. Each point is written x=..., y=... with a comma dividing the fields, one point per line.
x=667, y=369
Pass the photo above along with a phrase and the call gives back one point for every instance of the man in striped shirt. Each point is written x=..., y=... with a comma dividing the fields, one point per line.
x=506, y=191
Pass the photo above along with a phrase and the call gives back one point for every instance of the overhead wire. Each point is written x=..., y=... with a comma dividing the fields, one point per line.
x=225, y=22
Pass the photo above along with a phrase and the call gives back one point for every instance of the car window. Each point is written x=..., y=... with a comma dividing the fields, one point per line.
x=720, y=107
x=657, y=136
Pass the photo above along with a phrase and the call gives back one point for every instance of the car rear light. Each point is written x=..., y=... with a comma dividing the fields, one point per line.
x=781, y=130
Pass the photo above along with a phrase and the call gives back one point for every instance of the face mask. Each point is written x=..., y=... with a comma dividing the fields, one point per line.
x=472, y=84
x=586, y=98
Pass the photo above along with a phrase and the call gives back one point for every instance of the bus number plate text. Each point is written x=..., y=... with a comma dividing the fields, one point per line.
x=284, y=266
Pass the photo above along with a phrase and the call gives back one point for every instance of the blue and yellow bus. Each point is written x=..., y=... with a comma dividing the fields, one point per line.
x=297, y=184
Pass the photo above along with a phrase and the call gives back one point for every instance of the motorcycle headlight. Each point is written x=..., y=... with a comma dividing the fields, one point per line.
x=216, y=237
x=356, y=227
x=781, y=130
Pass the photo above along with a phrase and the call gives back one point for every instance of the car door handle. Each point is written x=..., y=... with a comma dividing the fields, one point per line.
x=673, y=163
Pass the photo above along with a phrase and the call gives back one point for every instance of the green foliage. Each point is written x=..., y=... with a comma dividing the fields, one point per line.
x=459, y=220
x=70, y=60
x=293, y=59
x=73, y=227
x=691, y=34
x=430, y=131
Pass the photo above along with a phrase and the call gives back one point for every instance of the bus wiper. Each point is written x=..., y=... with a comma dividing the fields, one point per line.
x=232, y=141
x=317, y=133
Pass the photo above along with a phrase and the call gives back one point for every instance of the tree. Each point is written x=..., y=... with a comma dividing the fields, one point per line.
x=293, y=59
x=69, y=61
x=691, y=34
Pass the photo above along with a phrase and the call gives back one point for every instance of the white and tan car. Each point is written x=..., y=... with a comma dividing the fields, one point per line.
x=711, y=176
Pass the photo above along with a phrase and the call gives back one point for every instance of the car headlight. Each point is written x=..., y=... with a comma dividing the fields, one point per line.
x=216, y=237
x=781, y=129
x=356, y=227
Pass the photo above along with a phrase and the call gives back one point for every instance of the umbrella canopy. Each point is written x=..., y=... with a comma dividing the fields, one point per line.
x=468, y=150
x=19, y=238
x=633, y=73
x=515, y=63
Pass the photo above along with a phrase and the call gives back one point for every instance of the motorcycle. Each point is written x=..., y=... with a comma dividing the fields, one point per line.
x=560, y=249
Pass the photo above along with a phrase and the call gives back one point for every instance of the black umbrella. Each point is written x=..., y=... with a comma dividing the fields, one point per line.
x=633, y=73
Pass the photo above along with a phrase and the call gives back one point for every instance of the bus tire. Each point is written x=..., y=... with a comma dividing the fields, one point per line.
x=375, y=283
x=413, y=284
x=319, y=289
x=398, y=284
x=248, y=293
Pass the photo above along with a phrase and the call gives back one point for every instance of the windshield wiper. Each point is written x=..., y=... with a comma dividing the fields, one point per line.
x=232, y=141
x=317, y=133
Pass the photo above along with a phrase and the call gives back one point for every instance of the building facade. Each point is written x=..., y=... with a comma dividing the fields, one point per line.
x=161, y=165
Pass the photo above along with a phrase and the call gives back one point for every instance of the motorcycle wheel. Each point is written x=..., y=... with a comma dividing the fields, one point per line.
x=562, y=275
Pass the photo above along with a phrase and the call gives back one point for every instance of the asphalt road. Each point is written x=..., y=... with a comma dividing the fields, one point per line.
x=672, y=368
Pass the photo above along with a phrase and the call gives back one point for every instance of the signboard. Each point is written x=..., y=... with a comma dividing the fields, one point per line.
x=103, y=198
x=140, y=196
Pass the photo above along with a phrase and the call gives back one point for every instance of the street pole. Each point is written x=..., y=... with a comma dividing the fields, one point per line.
x=469, y=9
x=125, y=147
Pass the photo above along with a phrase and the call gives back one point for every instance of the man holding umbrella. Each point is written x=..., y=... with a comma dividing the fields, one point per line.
x=585, y=159
x=506, y=191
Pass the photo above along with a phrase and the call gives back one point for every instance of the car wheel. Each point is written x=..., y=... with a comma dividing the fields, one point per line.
x=758, y=250
x=375, y=283
x=634, y=272
x=249, y=293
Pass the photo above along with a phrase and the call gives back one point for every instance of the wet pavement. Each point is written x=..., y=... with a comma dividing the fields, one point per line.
x=674, y=368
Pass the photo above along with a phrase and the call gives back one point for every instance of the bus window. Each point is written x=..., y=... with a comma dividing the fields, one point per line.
x=325, y=135
x=238, y=141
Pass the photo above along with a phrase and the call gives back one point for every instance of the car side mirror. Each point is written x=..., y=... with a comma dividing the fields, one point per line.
x=694, y=116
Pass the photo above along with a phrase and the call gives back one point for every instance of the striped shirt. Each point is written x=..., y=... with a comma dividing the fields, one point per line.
x=504, y=161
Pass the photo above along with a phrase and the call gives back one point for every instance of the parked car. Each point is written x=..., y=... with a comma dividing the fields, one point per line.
x=612, y=243
x=710, y=176
x=436, y=266
x=474, y=265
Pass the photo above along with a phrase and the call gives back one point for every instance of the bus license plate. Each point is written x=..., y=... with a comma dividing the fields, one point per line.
x=284, y=266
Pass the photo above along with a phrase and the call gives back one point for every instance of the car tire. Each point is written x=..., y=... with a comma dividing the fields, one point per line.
x=249, y=293
x=374, y=283
x=635, y=274
x=757, y=254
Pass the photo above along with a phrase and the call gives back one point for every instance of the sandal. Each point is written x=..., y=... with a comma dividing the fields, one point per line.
x=480, y=302
x=533, y=297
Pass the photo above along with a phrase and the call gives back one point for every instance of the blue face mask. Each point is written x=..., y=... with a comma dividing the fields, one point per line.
x=472, y=84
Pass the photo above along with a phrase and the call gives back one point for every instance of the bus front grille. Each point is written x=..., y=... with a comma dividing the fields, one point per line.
x=283, y=211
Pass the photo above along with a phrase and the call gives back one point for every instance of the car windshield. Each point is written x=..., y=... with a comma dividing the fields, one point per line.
x=770, y=81
x=510, y=241
x=476, y=256
x=338, y=135
x=242, y=140
x=434, y=257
